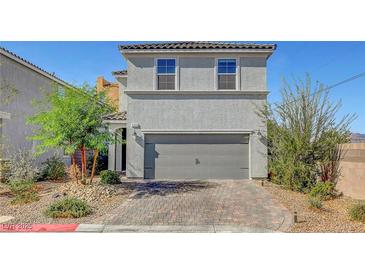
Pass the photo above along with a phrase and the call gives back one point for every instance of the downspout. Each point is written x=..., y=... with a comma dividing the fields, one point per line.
x=115, y=151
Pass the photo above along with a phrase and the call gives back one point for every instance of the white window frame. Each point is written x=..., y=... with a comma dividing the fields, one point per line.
x=238, y=73
x=176, y=74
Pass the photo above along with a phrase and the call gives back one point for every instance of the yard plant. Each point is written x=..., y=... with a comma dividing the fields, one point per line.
x=304, y=136
x=315, y=202
x=22, y=167
x=357, y=212
x=109, y=177
x=323, y=190
x=24, y=192
x=68, y=208
x=72, y=119
x=53, y=169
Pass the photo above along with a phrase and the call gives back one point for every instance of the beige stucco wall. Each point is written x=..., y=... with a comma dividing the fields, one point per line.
x=111, y=90
x=352, y=180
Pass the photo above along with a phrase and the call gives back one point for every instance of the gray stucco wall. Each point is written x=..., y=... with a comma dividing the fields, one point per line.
x=196, y=112
x=197, y=72
x=140, y=73
x=253, y=73
x=22, y=85
x=196, y=105
x=123, y=98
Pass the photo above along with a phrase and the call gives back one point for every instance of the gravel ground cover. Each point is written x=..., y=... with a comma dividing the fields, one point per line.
x=332, y=218
x=102, y=199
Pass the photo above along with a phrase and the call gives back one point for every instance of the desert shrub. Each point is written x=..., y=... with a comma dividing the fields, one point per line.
x=292, y=174
x=53, y=169
x=323, y=190
x=109, y=177
x=303, y=136
x=68, y=208
x=357, y=212
x=315, y=202
x=24, y=192
x=101, y=163
x=22, y=167
x=73, y=174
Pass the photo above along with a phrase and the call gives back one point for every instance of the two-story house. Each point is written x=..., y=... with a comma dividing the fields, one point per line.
x=191, y=110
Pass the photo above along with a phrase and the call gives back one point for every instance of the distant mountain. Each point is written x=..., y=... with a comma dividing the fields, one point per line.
x=357, y=137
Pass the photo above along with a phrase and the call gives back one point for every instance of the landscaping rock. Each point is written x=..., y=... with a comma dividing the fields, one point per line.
x=89, y=192
x=56, y=195
x=333, y=217
x=4, y=219
x=103, y=199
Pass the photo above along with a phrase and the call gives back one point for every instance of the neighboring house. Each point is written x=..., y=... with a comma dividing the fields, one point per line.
x=20, y=83
x=190, y=110
x=111, y=90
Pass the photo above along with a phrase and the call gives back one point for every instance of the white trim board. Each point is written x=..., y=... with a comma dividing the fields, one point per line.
x=200, y=92
x=210, y=51
x=197, y=131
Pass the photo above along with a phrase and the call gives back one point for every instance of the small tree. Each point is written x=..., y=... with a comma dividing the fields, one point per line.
x=71, y=119
x=304, y=136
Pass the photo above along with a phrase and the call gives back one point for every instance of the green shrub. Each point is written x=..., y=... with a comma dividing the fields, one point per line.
x=323, y=190
x=24, y=192
x=315, y=202
x=68, y=208
x=303, y=135
x=53, y=169
x=357, y=212
x=292, y=174
x=109, y=177
x=22, y=166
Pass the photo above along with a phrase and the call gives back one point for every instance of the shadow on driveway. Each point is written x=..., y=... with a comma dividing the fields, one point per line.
x=163, y=188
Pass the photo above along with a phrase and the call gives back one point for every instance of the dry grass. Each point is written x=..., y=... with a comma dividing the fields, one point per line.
x=333, y=217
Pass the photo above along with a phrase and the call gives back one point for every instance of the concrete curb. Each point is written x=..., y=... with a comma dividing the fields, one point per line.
x=95, y=228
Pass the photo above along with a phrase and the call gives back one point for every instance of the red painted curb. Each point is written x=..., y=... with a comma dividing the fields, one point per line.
x=38, y=227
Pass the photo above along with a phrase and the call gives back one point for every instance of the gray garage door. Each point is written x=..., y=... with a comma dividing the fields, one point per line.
x=192, y=156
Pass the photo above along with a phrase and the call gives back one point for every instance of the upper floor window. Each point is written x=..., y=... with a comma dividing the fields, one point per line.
x=227, y=73
x=166, y=74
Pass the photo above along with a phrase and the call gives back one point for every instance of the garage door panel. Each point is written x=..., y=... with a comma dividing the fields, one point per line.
x=232, y=149
x=184, y=173
x=189, y=160
x=196, y=139
x=216, y=155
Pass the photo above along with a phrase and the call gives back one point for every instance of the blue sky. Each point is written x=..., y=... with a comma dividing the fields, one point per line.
x=327, y=62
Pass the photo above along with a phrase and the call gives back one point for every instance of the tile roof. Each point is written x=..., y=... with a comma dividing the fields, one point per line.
x=116, y=116
x=16, y=57
x=197, y=45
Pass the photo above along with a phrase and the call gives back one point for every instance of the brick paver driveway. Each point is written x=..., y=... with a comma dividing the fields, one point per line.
x=232, y=203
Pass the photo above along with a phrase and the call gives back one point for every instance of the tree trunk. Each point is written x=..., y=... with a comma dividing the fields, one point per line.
x=75, y=167
x=83, y=164
x=96, y=154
